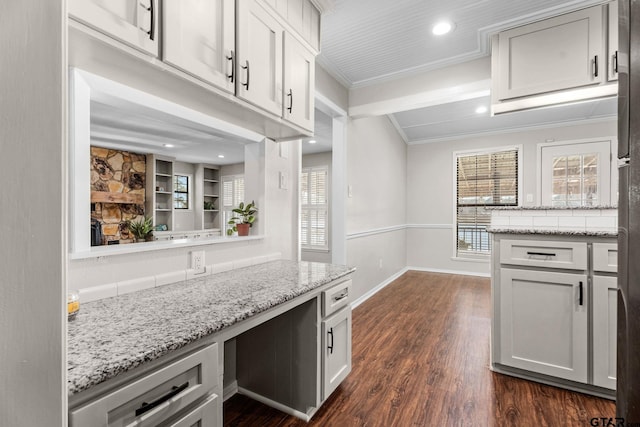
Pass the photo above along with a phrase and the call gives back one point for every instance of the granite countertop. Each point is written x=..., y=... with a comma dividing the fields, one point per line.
x=553, y=231
x=113, y=335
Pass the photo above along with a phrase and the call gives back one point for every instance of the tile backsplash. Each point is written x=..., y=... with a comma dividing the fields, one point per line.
x=605, y=219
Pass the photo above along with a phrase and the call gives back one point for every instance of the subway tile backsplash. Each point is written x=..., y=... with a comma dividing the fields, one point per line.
x=581, y=220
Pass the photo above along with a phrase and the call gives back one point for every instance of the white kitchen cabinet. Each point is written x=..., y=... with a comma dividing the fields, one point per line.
x=559, y=53
x=605, y=305
x=302, y=16
x=336, y=336
x=299, y=83
x=159, y=395
x=134, y=22
x=198, y=36
x=544, y=322
x=259, y=56
x=336, y=347
x=612, y=42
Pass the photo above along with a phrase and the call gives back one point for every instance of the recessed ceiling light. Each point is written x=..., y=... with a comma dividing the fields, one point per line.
x=312, y=141
x=221, y=156
x=442, y=28
x=168, y=145
x=481, y=109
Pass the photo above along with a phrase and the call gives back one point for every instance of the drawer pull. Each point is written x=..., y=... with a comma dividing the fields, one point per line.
x=541, y=253
x=175, y=390
x=341, y=296
x=580, y=292
x=330, y=347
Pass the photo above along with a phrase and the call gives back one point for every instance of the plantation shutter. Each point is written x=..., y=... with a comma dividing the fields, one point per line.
x=314, y=214
x=487, y=179
x=232, y=195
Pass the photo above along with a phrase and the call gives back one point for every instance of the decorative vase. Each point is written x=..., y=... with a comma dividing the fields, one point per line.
x=243, y=229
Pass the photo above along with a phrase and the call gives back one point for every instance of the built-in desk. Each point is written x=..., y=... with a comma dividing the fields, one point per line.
x=163, y=356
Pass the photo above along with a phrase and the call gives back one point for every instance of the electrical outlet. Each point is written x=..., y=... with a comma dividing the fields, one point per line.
x=197, y=261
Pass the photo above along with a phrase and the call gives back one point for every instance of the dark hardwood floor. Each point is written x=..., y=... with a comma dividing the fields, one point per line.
x=421, y=358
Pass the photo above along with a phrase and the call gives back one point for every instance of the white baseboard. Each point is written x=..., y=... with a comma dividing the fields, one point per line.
x=375, y=290
x=437, y=270
x=229, y=391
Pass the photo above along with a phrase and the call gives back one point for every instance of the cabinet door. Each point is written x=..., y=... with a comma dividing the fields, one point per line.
x=543, y=322
x=336, y=348
x=555, y=54
x=299, y=83
x=605, y=303
x=259, y=57
x=612, y=45
x=134, y=22
x=199, y=37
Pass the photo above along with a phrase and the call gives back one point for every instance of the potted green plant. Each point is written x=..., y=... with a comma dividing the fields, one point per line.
x=245, y=216
x=142, y=229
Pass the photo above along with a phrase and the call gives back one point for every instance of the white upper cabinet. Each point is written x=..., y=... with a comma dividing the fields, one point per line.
x=302, y=16
x=134, y=22
x=199, y=38
x=299, y=83
x=555, y=54
x=612, y=46
x=259, y=57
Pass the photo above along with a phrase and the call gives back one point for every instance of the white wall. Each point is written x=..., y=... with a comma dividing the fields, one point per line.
x=314, y=160
x=431, y=193
x=33, y=249
x=376, y=174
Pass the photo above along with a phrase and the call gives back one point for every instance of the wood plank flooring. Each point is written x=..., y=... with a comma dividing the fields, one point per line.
x=421, y=358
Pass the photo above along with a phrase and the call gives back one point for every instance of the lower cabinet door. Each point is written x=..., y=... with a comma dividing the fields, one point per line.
x=544, y=322
x=207, y=414
x=336, y=350
x=605, y=308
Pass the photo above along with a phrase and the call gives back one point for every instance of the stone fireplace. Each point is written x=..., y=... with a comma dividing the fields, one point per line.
x=117, y=192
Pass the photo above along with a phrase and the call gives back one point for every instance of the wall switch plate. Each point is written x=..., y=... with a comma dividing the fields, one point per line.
x=529, y=198
x=349, y=191
x=197, y=261
x=283, y=181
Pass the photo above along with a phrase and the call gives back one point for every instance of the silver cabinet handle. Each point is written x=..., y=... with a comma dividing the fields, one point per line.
x=341, y=296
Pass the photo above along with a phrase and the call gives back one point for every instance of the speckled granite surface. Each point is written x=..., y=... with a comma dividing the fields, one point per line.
x=114, y=335
x=537, y=208
x=554, y=231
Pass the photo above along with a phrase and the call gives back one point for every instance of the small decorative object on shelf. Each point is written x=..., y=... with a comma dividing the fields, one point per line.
x=142, y=230
x=208, y=206
x=244, y=219
x=161, y=227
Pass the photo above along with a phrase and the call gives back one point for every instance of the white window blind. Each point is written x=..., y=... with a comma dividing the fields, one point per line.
x=314, y=209
x=487, y=179
x=232, y=195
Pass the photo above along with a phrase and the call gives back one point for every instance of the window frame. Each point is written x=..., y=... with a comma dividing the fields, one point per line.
x=189, y=191
x=482, y=257
x=612, y=179
x=226, y=212
x=317, y=208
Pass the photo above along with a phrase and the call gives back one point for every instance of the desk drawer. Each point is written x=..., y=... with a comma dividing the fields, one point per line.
x=154, y=397
x=605, y=257
x=551, y=254
x=335, y=298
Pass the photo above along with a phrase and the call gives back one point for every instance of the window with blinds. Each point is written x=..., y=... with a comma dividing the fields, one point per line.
x=486, y=179
x=232, y=195
x=314, y=209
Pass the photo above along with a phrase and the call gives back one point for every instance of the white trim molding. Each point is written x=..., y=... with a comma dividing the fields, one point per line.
x=444, y=271
x=374, y=231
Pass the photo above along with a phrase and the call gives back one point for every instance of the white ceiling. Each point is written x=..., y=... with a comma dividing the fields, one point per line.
x=365, y=42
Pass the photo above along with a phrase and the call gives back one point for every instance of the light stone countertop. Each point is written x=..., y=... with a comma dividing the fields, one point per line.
x=548, y=208
x=553, y=231
x=113, y=335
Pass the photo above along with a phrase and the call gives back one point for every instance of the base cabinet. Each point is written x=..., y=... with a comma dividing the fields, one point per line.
x=543, y=322
x=605, y=305
x=336, y=347
x=554, y=310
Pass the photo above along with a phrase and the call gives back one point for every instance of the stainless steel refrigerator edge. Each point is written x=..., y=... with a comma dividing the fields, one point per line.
x=628, y=339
